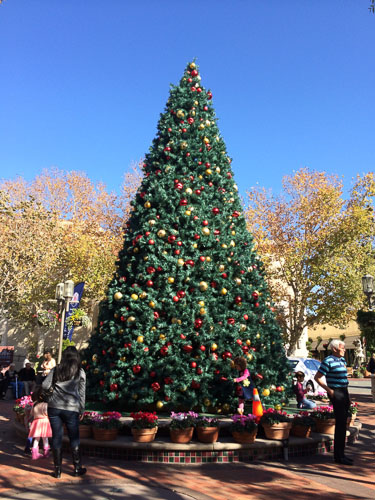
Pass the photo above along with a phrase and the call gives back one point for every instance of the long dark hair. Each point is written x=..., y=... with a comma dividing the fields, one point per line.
x=70, y=365
x=38, y=395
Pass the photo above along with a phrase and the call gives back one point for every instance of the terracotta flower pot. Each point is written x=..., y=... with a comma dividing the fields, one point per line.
x=181, y=435
x=85, y=431
x=277, y=431
x=302, y=431
x=244, y=437
x=104, y=434
x=144, y=435
x=325, y=426
x=207, y=434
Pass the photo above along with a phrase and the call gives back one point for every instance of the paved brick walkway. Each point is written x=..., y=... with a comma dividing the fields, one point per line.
x=299, y=479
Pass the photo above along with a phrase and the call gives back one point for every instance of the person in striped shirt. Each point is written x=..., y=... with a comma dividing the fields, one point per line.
x=333, y=368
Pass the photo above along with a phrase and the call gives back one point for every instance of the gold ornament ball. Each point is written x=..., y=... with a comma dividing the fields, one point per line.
x=131, y=319
x=213, y=347
x=136, y=250
x=151, y=303
x=249, y=356
x=134, y=396
x=170, y=279
x=152, y=222
x=180, y=262
x=162, y=336
x=95, y=357
x=116, y=315
x=140, y=339
x=203, y=285
x=226, y=407
x=195, y=245
x=201, y=126
x=147, y=204
x=180, y=113
x=161, y=233
x=238, y=281
x=201, y=303
x=277, y=407
x=84, y=362
x=121, y=331
x=117, y=296
x=143, y=295
x=257, y=336
x=221, y=268
x=202, y=311
x=217, y=170
x=159, y=405
x=223, y=291
x=206, y=402
x=134, y=296
x=206, y=140
x=206, y=231
x=224, y=245
x=196, y=103
x=192, y=65
x=248, y=342
x=183, y=145
x=174, y=321
x=266, y=392
x=188, y=191
x=208, y=259
x=123, y=358
x=96, y=371
x=208, y=171
x=207, y=123
x=187, y=212
x=243, y=327
x=153, y=328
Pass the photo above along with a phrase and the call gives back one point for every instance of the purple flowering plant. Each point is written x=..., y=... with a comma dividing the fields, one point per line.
x=107, y=420
x=244, y=423
x=202, y=421
x=183, y=420
x=22, y=404
x=88, y=417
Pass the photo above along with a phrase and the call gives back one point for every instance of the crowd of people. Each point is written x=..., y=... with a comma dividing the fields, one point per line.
x=58, y=393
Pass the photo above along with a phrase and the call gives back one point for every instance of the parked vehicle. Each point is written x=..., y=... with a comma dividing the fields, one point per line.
x=309, y=367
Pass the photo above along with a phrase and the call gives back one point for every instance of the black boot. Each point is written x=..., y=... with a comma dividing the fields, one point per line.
x=78, y=469
x=57, y=459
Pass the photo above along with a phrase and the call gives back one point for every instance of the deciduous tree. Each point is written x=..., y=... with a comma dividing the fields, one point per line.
x=315, y=245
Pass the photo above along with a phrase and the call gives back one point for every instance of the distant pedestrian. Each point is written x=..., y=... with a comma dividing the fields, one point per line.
x=27, y=376
x=333, y=368
x=245, y=389
x=40, y=427
x=48, y=363
x=66, y=406
x=300, y=392
x=371, y=368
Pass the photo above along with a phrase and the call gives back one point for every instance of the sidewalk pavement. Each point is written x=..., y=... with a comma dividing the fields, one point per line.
x=108, y=479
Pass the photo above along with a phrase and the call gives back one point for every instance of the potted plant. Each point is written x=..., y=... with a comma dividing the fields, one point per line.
x=22, y=405
x=47, y=317
x=207, y=429
x=244, y=428
x=78, y=318
x=352, y=413
x=321, y=396
x=324, y=419
x=276, y=424
x=144, y=426
x=106, y=425
x=302, y=424
x=181, y=427
x=85, y=425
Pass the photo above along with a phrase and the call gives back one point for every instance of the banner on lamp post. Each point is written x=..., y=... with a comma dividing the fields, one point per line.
x=74, y=304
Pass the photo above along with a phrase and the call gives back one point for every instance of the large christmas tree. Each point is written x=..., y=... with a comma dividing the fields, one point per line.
x=189, y=292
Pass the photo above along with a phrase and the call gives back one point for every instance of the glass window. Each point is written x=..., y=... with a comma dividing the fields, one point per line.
x=311, y=364
x=292, y=363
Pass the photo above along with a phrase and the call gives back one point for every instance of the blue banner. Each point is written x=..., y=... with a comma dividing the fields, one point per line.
x=74, y=304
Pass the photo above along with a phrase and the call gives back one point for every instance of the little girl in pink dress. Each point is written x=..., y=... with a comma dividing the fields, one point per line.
x=40, y=426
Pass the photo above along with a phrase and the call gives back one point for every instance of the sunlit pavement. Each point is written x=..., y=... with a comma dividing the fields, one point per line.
x=299, y=479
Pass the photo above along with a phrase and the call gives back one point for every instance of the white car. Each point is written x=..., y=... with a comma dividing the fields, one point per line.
x=309, y=367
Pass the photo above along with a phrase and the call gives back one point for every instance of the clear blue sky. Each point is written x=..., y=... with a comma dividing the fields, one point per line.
x=83, y=83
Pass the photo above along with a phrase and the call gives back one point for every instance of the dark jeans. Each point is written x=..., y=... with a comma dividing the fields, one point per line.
x=59, y=417
x=341, y=404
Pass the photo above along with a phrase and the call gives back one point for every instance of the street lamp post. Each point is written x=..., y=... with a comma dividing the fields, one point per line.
x=368, y=289
x=64, y=294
